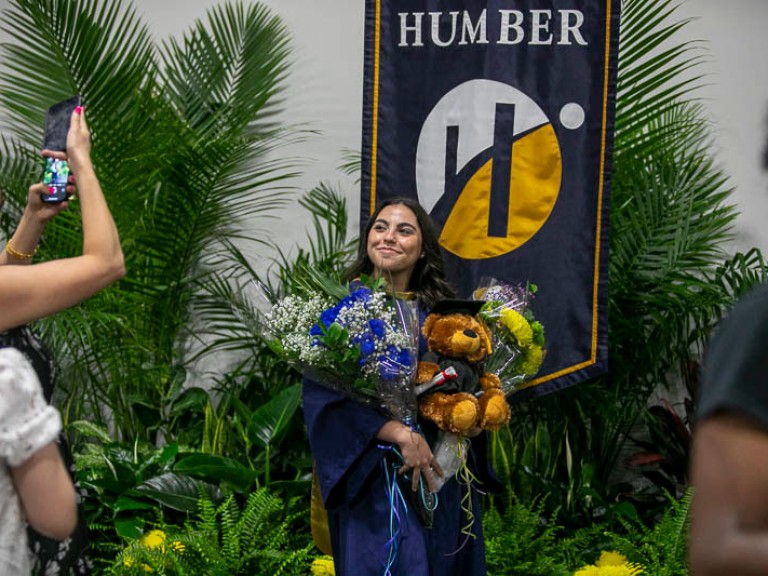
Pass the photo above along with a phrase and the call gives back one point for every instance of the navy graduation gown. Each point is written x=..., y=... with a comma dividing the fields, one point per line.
x=351, y=466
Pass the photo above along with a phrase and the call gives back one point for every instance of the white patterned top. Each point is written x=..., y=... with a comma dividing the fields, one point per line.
x=27, y=424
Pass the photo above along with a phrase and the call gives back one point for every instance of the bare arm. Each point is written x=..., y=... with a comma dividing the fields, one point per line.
x=46, y=493
x=729, y=530
x=28, y=446
x=416, y=452
x=27, y=236
x=31, y=292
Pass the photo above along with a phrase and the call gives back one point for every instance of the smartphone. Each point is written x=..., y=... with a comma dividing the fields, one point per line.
x=56, y=172
x=55, y=178
x=57, y=124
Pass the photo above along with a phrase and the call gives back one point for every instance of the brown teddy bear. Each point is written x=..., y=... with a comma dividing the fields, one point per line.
x=459, y=395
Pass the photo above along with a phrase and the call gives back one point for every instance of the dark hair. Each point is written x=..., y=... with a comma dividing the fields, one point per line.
x=428, y=277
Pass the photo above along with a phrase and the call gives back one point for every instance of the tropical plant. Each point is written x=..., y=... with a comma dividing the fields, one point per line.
x=523, y=540
x=663, y=452
x=228, y=538
x=128, y=485
x=182, y=136
x=661, y=548
x=233, y=306
x=670, y=277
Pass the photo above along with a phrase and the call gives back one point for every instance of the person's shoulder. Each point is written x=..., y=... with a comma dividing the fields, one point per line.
x=757, y=296
x=734, y=364
x=750, y=310
x=14, y=368
x=11, y=357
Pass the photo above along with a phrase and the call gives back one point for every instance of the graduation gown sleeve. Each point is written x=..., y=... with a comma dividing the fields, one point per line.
x=342, y=436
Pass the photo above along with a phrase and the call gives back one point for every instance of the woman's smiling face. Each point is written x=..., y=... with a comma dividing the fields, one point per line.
x=394, y=244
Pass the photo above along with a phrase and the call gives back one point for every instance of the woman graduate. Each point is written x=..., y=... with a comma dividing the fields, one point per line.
x=353, y=444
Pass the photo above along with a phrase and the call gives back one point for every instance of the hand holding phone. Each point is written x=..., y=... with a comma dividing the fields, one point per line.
x=56, y=175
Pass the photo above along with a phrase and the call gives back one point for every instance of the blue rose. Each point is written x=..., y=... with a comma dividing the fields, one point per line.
x=329, y=316
x=378, y=327
x=367, y=345
x=360, y=295
x=404, y=358
x=388, y=368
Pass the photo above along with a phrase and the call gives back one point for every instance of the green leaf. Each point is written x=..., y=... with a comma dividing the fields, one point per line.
x=125, y=503
x=192, y=398
x=175, y=491
x=216, y=468
x=270, y=421
x=130, y=527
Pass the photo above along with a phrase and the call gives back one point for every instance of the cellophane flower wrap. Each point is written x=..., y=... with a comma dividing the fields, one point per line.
x=364, y=345
x=518, y=338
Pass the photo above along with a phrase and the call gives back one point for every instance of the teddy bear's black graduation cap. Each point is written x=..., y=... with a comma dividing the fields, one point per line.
x=457, y=306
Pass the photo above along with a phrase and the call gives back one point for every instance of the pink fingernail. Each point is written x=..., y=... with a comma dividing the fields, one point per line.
x=78, y=110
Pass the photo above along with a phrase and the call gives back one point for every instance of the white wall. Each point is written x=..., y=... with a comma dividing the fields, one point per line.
x=325, y=90
x=737, y=101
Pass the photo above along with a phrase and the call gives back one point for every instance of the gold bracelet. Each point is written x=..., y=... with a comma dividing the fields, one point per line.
x=17, y=254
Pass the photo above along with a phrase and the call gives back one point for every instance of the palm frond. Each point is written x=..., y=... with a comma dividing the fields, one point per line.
x=655, y=73
x=184, y=143
x=227, y=72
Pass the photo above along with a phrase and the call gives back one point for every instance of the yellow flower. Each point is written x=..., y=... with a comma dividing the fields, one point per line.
x=153, y=539
x=128, y=561
x=323, y=566
x=517, y=325
x=177, y=546
x=610, y=564
x=624, y=570
x=611, y=559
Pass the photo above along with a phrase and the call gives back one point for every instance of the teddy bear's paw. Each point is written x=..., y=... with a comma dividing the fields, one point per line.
x=463, y=415
x=425, y=371
x=489, y=381
x=495, y=411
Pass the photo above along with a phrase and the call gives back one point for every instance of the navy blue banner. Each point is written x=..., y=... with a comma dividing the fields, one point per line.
x=497, y=115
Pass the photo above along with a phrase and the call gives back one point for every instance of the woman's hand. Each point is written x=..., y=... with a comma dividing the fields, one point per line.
x=41, y=212
x=78, y=141
x=78, y=153
x=418, y=459
x=417, y=456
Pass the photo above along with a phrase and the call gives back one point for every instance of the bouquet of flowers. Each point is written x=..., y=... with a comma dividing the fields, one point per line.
x=518, y=338
x=364, y=345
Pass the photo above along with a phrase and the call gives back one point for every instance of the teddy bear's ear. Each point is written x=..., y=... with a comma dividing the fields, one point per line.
x=428, y=323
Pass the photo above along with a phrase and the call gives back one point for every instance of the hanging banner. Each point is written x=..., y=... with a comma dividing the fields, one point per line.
x=498, y=117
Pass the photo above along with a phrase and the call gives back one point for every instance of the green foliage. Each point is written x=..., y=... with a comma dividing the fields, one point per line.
x=258, y=536
x=664, y=448
x=127, y=485
x=522, y=541
x=661, y=548
x=526, y=539
x=182, y=137
x=182, y=134
x=231, y=309
x=670, y=281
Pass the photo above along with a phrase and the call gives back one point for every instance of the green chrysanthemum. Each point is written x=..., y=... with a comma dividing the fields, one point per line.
x=533, y=357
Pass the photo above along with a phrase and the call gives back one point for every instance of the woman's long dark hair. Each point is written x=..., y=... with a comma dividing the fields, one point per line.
x=428, y=278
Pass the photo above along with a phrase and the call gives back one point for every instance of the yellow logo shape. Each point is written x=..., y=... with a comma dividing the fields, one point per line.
x=534, y=184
